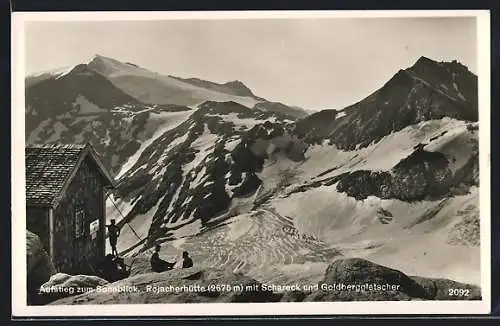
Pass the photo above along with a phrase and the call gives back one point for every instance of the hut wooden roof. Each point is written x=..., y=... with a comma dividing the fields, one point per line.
x=50, y=169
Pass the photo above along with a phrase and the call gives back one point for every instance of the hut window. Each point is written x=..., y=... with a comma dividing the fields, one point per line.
x=79, y=223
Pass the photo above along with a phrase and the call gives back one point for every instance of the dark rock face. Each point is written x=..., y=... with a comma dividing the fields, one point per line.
x=216, y=202
x=319, y=123
x=39, y=267
x=452, y=79
x=248, y=186
x=357, y=272
x=361, y=184
x=421, y=175
x=426, y=91
x=245, y=160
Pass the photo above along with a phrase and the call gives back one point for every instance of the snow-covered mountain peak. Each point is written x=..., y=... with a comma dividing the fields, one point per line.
x=110, y=67
x=93, y=57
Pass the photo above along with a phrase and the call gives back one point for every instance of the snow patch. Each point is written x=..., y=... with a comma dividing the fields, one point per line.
x=203, y=144
x=239, y=227
x=187, y=230
x=132, y=160
x=381, y=156
x=355, y=228
x=247, y=123
x=54, y=72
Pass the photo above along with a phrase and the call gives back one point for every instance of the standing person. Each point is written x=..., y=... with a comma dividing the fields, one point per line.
x=187, y=262
x=113, y=233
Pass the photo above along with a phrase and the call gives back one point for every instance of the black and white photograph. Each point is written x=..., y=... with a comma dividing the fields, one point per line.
x=290, y=160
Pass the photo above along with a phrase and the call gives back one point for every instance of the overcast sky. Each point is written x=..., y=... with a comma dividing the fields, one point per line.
x=313, y=63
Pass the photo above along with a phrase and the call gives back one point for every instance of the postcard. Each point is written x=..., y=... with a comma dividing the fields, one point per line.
x=250, y=163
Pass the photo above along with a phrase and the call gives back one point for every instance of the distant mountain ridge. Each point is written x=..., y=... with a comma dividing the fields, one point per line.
x=101, y=98
x=234, y=87
x=152, y=88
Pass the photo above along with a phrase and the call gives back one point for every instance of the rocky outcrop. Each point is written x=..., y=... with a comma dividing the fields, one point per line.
x=372, y=282
x=351, y=279
x=39, y=267
x=421, y=175
x=62, y=285
x=361, y=184
x=177, y=286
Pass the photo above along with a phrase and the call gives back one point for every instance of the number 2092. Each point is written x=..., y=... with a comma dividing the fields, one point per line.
x=458, y=292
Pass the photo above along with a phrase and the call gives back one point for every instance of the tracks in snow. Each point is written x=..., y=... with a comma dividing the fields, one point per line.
x=258, y=244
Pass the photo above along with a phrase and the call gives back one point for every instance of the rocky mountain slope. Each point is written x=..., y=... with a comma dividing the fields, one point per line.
x=426, y=91
x=247, y=188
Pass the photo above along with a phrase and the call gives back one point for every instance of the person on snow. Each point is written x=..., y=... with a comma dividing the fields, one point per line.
x=159, y=265
x=113, y=234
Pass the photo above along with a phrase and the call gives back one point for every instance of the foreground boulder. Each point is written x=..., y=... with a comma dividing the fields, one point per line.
x=39, y=266
x=350, y=279
x=62, y=285
x=191, y=285
x=356, y=279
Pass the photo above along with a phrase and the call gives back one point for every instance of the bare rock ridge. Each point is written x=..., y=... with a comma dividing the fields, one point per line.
x=427, y=90
x=344, y=280
x=234, y=87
